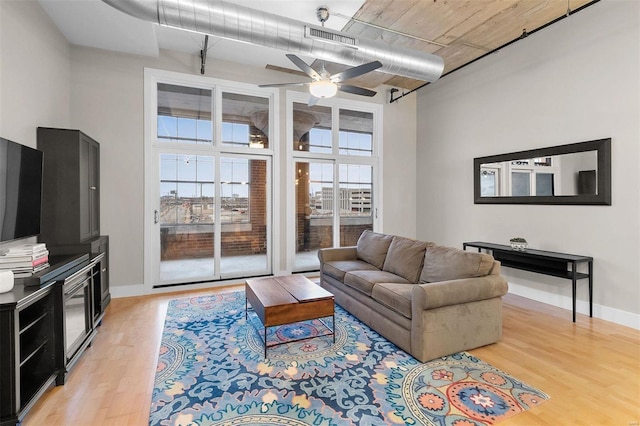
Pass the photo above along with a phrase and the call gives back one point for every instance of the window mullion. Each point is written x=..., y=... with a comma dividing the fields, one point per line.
x=217, y=118
x=336, y=204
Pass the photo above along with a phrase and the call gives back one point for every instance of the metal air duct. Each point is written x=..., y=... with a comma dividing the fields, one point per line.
x=235, y=22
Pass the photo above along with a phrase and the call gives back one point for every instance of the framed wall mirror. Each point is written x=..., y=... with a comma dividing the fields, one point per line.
x=578, y=173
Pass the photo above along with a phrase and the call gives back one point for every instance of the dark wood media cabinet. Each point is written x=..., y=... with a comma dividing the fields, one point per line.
x=37, y=345
x=551, y=263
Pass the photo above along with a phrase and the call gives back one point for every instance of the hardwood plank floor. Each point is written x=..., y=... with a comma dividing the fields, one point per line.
x=591, y=369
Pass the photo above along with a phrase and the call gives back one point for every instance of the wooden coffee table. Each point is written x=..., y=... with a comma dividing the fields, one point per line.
x=287, y=300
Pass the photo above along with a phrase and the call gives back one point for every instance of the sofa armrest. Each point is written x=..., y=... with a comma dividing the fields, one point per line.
x=337, y=253
x=496, y=269
x=454, y=292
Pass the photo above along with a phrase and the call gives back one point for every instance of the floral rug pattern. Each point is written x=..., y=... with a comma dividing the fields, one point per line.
x=212, y=371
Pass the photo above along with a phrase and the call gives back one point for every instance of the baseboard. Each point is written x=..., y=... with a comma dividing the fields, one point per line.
x=628, y=319
x=141, y=290
x=127, y=290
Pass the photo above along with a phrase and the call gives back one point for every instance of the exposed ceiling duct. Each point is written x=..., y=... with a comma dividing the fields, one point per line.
x=235, y=22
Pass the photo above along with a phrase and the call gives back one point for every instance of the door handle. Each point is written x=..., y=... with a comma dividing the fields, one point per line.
x=155, y=216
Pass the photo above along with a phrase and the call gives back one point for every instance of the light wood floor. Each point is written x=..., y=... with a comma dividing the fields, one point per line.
x=590, y=369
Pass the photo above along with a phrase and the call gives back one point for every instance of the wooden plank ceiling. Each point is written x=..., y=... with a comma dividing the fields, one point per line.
x=462, y=30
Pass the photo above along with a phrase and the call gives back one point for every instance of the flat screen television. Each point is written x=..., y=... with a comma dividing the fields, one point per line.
x=20, y=190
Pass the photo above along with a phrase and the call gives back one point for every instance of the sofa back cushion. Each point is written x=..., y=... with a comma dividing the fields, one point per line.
x=372, y=247
x=405, y=258
x=448, y=263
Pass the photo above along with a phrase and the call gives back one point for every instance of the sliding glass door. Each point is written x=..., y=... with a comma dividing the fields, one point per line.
x=244, y=193
x=356, y=201
x=186, y=217
x=188, y=213
x=314, y=210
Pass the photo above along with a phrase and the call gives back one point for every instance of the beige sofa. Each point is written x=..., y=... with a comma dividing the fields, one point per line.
x=429, y=300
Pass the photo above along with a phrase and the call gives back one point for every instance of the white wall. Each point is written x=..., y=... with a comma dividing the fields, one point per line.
x=34, y=72
x=575, y=81
x=34, y=75
x=399, y=186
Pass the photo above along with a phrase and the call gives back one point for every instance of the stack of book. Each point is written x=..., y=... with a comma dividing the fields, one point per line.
x=25, y=260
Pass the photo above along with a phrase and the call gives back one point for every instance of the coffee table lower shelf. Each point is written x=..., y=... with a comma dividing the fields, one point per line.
x=332, y=332
x=286, y=300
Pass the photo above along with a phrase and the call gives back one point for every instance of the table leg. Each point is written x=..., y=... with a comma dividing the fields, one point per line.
x=334, y=328
x=265, y=343
x=573, y=288
x=591, y=288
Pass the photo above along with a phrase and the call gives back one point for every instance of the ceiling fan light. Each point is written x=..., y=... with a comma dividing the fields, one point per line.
x=323, y=89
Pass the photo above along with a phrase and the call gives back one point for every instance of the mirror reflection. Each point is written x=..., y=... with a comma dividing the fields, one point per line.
x=566, y=174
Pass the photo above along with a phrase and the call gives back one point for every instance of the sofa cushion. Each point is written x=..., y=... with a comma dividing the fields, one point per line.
x=405, y=258
x=338, y=268
x=372, y=247
x=394, y=296
x=365, y=280
x=448, y=263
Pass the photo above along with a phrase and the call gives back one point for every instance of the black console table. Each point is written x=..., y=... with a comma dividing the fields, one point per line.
x=561, y=265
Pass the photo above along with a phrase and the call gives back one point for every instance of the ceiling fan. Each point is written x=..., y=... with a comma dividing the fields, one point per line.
x=325, y=85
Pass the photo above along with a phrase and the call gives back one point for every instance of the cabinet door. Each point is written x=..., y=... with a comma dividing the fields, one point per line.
x=89, y=188
x=9, y=353
x=84, y=152
x=94, y=188
x=101, y=295
x=104, y=273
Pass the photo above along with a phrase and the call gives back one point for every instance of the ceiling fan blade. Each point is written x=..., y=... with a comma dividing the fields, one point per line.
x=304, y=66
x=312, y=100
x=356, y=90
x=355, y=71
x=281, y=84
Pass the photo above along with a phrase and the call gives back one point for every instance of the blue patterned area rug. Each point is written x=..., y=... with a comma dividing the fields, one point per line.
x=211, y=371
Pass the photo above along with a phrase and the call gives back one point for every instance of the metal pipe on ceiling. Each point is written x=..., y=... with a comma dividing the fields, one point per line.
x=235, y=22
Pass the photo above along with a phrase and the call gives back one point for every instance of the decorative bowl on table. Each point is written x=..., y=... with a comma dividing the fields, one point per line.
x=519, y=244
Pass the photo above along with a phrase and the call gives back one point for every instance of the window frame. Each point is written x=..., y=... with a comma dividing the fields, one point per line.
x=153, y=148
x=375, y=160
